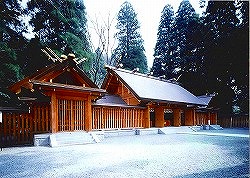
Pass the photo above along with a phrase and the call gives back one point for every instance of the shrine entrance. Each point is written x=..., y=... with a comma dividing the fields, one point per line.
x=70, y=115
x=152, y=117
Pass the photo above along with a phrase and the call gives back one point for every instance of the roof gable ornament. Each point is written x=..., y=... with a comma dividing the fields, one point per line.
x=54, y=57
x=64, y=70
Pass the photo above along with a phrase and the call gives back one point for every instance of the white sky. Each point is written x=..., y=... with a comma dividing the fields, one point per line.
x=148, y=14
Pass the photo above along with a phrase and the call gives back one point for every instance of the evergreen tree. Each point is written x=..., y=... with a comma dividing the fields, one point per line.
x=32, y=58
x=61, y=25
x=240, y=63
x=11, y=43
x=163, y=60
x=185, y=37
x=130, y=49
x=220, y=51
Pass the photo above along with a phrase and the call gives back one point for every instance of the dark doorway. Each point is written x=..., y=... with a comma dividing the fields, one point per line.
x=168, y=117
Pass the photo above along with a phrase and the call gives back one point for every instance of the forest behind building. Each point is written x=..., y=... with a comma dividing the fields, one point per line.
x=206, y=54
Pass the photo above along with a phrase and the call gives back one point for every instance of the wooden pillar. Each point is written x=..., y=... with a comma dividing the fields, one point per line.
x=146, y=117
x=208, y=118
x=195, y=117
x=215, y=118
x=54, y=113
x=88, y=111
x=177, y=117
x=159, y=116
x=189, y=117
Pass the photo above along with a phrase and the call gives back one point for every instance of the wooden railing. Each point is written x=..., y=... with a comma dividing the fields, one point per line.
x=234, y=121
x=116, y=117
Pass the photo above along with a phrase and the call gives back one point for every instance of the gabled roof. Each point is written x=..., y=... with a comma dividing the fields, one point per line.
x=53, y=71
x=206, y=98
x=110, y=100
x=113, y=101
x=153, y=89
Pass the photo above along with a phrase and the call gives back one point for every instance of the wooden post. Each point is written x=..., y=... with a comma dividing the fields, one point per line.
x=177, y=117
x=54, y=113
x=216, y=118
x=159, y=116
x=146, y=117
x=208, y=118
x=88, y=118
x=1, y=129
x=189, y=117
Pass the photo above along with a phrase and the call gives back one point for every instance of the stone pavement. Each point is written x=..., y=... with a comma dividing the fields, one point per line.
x=171, y=155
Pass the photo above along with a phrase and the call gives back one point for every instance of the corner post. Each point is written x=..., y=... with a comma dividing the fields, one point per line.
x=146, y=118
x=54, y=113
x=189, y=117
x=88, y=111
x=177, y=117
x=159, y=116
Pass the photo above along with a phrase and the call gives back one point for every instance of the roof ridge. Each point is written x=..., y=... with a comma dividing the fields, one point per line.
x=141, y=74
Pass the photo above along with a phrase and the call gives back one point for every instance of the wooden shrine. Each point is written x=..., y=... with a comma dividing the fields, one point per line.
x=61, y=98
x=60, y=95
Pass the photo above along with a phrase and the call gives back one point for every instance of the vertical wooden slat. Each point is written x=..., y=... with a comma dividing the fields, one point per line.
x=23, y=128
x=47, y=119
x=5, y=126
x=39, y=118
x=43, y=118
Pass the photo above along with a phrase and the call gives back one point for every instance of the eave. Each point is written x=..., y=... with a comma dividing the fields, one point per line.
x=60, y=86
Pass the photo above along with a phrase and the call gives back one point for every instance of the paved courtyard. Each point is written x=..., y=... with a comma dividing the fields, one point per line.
x=171, y=155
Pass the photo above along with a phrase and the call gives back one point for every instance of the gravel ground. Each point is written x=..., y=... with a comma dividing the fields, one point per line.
x=172, y=155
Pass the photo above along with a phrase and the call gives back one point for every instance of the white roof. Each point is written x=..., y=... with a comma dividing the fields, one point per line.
x=151, y=88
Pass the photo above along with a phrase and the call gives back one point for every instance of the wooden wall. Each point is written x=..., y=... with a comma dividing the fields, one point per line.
x=201, y=118
x=116, y=117
x=18, y=128
x=240, y=121
x=127, y=95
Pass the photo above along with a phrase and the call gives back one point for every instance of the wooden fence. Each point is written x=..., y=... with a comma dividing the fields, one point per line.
x=202, y=118
x=18, y=128
x=234, y=121
x=115, y=117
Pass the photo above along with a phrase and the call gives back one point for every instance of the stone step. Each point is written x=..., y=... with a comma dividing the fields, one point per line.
x=174, y=130
x=215, y=127
x=119, y=132
x=71, y=138
x=149, y=131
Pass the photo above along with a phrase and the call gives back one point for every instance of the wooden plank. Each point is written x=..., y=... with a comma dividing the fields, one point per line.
x=23, y=128
x=43, y=118
x=47, y=119
x=5, y=124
